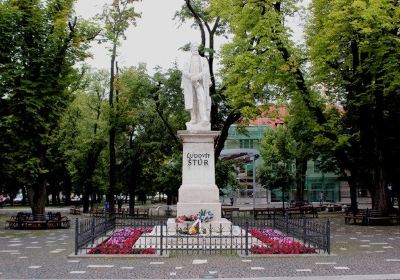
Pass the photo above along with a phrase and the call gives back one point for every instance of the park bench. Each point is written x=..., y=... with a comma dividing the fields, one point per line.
x=302, y=211
x=367, y=216
x=74, y=210
x=333, y=207
x=355, y=216
x=40, y=221
x=142, y=213
x=265, y=212
x=227, y=212
x=377, y=215
x=55, y=220
x=17, y=222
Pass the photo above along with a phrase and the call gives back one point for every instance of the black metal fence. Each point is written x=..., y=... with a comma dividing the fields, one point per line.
x=88, y=231
x=277, y=235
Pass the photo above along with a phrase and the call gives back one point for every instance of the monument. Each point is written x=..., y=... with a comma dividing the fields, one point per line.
x=198, y=190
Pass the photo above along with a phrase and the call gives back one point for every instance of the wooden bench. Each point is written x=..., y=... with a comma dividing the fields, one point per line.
x=55, y=220
x=32, y=224
x=13, y=223
x=227, y=213
x=17, y=222
x=355, y=216
x=333, y=207
x=263, y=212
x=142, y=213
x=302, y=211
x=40, y=221
x=366, y=216
x=377, y=215
x=75, y=210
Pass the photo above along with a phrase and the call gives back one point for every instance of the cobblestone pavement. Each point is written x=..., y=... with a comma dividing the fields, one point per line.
x=358, y=252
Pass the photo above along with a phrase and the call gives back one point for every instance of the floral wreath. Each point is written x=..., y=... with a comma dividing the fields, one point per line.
x=199, y=218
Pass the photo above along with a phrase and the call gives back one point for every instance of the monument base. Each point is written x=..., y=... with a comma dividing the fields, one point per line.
x=188, y=208
x=206, y=126
x=220, y=226
x=231, y=240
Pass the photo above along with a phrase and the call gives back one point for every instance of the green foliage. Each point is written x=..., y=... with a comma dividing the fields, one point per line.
x=83, y=131
x=277, y=149
x=117, y=17
x=226, y=177
x=354, y=48
x=260, y=61
x=151, y=116
x=40, y=41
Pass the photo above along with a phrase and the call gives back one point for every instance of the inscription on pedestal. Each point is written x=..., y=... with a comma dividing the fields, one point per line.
x=197, y=159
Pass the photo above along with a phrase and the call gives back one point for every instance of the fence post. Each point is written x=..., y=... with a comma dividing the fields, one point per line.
x=76, y=235
x=92, y=229
x=286, y=222
x=105, y=225
x=328, y=237
x=247, y=239
x=161, y=239
x=304, y=230
x=273, y=221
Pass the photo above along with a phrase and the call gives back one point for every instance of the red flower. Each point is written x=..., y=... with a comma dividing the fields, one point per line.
x=121, y=242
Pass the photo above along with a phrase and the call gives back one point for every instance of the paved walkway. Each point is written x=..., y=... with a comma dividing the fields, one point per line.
x=358, y=252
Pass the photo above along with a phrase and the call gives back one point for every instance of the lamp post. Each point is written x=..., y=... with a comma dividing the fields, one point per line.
x=254, y=158
x=254, y=182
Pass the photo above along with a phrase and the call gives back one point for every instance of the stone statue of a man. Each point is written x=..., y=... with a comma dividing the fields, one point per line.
x=196, y=89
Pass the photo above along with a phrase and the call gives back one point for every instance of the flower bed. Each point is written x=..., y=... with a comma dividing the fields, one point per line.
x=277, y=243
x=121, y=242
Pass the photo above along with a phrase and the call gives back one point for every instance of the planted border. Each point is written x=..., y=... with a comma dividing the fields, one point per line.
x=121, y=242
x=277, y=243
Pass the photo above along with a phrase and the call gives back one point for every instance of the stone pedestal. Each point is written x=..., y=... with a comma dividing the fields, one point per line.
x=198, y=190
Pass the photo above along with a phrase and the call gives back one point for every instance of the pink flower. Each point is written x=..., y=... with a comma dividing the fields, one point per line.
x=121, y=242
x=277, y=243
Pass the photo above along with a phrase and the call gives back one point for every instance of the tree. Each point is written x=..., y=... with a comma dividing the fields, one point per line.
x=277, y=154
x=117, y=18
x=355, y=52
x=302, y=128
x=262, y=64
x=153, y=115
x=82, y=134
x=40, y=43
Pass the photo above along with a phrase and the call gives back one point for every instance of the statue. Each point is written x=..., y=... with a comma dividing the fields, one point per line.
x=196, y=90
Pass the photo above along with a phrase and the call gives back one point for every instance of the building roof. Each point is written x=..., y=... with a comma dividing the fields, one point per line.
x=274, y=117
x=243, y=155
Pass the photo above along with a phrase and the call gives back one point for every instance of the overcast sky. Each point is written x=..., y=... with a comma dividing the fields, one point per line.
x=156, y=38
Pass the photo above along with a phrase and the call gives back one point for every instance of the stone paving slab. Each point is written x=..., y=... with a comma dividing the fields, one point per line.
x=356, y=262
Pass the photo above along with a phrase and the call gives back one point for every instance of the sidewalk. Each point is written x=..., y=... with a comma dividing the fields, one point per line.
x=358, y=252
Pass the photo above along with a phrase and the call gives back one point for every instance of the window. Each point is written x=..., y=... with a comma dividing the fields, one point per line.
x=246, y=143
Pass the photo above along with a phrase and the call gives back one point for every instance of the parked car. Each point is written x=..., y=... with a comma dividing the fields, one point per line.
x=18, y=198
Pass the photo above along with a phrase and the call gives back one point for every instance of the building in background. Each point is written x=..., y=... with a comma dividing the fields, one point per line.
x=317, y=183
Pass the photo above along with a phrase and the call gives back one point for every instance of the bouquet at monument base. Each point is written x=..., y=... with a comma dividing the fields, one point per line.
x=196, y=227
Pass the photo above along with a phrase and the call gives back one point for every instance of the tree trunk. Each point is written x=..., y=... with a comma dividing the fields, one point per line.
x=54, y=197
x=301, y=169
x=112, y=133
x=132, y=200
x=37, y=198
x=87, y=190
x=231, y=119
x=381, y=199
x=67, y=190
x=24, y=196
x=353, y=193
